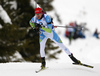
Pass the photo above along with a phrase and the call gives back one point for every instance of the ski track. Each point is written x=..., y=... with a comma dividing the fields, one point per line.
x=55, y=69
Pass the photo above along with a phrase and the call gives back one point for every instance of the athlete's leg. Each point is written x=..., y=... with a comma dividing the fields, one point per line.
x=58, y=41
x=43, y=40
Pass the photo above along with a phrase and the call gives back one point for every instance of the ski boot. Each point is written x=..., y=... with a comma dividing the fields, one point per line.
x=43, y=63
x=74, y=59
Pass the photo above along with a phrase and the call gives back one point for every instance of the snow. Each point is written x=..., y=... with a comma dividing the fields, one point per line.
x=87, y=50
x=13, y=5
x=17, y=57
x=0, y=26
x=80, y=11
x=34, y=4
x=55, y=69
x=4, y=16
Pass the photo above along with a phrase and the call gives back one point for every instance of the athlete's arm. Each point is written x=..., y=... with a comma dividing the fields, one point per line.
x=49, y=25
x=32, y=23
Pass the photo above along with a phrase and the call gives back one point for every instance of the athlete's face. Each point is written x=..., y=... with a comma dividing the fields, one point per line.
x=38, y=15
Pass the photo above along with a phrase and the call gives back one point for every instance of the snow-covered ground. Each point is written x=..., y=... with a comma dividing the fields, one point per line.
x=55, y=69
x=86, y=50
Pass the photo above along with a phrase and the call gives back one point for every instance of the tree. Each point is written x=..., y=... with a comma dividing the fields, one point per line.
x=18, y=36
x=13, y=36
x=45, y=4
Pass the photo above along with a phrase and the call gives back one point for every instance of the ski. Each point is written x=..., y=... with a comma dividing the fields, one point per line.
x=89, y=66
x=40, y=70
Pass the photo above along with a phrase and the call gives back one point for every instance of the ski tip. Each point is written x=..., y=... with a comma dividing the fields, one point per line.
x=91, y=66
x=84, y=65
x=36, y=72
x=74, y=63
x=41, y=70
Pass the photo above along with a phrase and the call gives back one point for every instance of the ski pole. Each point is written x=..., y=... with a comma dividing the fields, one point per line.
x=78, y=27
x=64, y=26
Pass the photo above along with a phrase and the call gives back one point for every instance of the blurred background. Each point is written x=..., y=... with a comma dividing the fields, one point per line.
x=19, y=43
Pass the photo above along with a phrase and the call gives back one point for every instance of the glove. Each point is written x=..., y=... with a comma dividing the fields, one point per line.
x=36, y=30
x=38, y=25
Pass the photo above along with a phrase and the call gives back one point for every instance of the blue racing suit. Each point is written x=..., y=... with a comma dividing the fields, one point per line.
x=47, y=32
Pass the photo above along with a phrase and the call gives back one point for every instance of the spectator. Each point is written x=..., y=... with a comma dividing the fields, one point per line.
x=70, y=33
x=96, y=34
x=78, y=31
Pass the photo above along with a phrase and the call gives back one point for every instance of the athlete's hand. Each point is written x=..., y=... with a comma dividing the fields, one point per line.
x=36, y=30
x=38, y=25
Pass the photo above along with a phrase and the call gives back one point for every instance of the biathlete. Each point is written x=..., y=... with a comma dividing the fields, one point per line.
x=43, y=22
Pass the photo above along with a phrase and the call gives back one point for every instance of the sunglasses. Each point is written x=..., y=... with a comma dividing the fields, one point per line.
x=38, y=14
